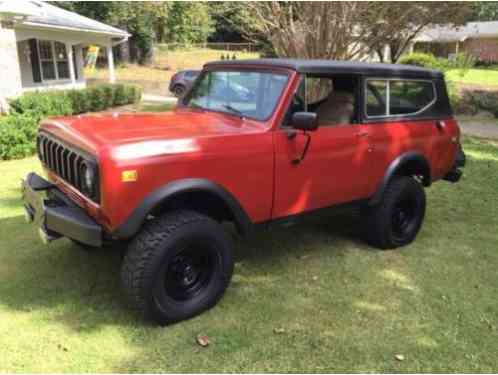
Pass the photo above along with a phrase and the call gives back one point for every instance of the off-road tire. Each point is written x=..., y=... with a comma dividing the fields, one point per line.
x=146, y=270
x=382, y=229
x=179, y=90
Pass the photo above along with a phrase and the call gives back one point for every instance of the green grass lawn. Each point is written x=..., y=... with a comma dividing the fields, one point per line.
x=154, y=107
x=485, y=77
x=337, y=304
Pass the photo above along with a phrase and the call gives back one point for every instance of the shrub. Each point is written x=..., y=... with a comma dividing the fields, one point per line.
x=97, y=99
x=460, y=61
x=18, y=129
x=425, y=60
x=81, y=100
x=120, y=95
x=63, y=103
x=42, y=104
x=472, y=101
x=17, y=136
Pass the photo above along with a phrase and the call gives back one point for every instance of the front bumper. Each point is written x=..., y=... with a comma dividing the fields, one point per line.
x=455, y=173
x=56, y=215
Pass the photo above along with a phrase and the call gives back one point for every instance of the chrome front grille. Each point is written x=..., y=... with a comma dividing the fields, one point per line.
x=64, y=161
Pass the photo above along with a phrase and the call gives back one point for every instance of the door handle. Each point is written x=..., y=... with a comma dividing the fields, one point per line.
x=362, y=134
x=440, y=125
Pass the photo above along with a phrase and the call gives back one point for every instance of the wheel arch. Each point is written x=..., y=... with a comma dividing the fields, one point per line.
x=409, y=164
x=197, y=194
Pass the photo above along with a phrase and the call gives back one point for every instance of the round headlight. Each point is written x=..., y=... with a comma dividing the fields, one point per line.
x=88, y=175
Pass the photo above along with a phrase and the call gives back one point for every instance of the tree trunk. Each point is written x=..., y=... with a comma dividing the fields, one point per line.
x=124, y=52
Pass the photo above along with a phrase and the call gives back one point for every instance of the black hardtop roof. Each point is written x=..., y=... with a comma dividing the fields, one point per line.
x=336, y=66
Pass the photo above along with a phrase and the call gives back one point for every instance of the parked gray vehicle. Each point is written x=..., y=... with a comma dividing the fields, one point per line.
x=182, y=81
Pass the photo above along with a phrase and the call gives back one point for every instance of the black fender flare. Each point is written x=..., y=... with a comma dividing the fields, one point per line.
x=190, y=185
x=396, y=167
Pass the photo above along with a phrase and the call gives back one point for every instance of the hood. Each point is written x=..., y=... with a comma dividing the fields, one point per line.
x=97, y=131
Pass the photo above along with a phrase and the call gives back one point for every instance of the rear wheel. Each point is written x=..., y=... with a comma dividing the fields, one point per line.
x=178, y=266
x=179, y=90
x=396, y=221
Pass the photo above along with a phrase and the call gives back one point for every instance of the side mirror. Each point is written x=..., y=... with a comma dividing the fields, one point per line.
x=307, y=121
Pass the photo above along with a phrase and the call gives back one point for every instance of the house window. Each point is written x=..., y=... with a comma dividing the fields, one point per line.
x=62, y=62
x=47, y=60
x=53, y=60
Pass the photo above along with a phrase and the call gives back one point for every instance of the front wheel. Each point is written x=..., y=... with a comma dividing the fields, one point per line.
x=178, y=266
x=397, y=219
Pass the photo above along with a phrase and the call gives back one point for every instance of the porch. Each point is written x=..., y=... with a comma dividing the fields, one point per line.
x=51, y=59
x=43, y=45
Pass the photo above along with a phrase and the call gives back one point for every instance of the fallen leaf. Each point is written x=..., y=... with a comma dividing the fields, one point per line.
x=278, y=331
x=202, y=340
x=399, y=357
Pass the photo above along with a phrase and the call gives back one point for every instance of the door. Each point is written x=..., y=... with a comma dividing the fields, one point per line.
x=333, y=170
x=391, y=108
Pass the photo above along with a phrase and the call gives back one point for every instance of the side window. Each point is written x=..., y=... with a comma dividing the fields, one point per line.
x=318, y=89
x=332, y=98
x=407, y=97
x=397, y=97
x=376, y=98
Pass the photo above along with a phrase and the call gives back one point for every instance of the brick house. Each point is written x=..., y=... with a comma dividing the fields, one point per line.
x=41, y=47
x=479, y=39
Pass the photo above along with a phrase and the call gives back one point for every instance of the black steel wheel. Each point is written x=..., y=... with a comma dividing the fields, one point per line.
x=178, y=266
x=189, y=272
x=396, y=221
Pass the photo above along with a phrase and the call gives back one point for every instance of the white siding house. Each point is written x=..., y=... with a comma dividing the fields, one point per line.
x=41, y=47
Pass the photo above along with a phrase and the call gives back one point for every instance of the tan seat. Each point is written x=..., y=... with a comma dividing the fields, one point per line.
x=337, y=109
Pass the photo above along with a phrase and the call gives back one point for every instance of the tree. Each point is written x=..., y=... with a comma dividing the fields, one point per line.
x=225, y=20
x=398, y=23
x=327, y=30
x=485, y=11
x=343, y=30
x=143, y=20
x=189, y=22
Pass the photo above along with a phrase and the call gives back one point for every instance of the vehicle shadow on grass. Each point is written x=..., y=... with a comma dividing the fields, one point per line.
x=83, y=287
x=302, y=239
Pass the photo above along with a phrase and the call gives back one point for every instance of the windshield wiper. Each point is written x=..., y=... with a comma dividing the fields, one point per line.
x=233, y=110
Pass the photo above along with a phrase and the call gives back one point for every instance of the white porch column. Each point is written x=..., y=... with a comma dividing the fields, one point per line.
x=387, y=53
x=110, y=62
x=70, y=60
x=411, y=47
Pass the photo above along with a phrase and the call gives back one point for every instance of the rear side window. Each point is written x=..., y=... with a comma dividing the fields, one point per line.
x=398, y=97
x=406, y=97
x=376, y=98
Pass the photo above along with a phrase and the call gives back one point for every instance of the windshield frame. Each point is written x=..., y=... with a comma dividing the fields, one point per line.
x=240, y=68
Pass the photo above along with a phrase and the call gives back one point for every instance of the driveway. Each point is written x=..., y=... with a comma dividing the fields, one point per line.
x=483, y=128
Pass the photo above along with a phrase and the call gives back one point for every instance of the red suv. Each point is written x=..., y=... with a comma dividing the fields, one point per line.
x=254, y=143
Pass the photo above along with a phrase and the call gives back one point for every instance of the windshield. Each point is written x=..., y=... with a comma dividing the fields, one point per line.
x=240, y=93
